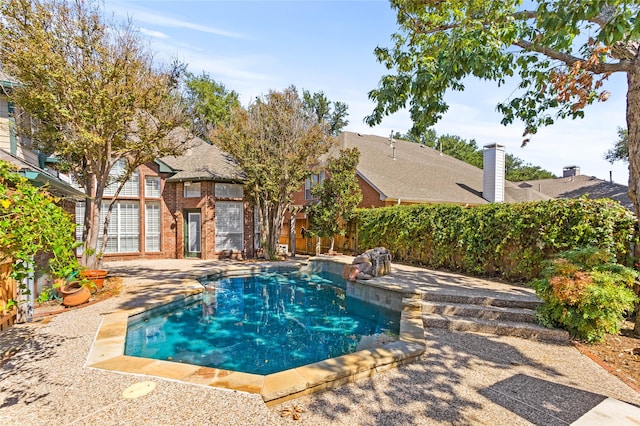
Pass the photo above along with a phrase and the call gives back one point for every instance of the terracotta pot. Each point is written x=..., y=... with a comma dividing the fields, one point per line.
x=95, y=275
x=74, y=294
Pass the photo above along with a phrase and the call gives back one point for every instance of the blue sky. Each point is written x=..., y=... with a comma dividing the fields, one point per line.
x=256, y=46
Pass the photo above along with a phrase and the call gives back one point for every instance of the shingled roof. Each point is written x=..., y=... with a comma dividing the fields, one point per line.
x=421, y=174
x=579, y=185
x=203, y=161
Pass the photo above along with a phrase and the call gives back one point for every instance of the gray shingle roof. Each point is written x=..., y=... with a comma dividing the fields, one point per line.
x=577, y=186
x=422, y=174
x=203, y=161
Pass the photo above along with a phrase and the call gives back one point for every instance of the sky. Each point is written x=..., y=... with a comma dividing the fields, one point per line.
x=256, y=46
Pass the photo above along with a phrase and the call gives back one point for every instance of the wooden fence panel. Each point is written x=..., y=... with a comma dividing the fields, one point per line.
x=8, y=290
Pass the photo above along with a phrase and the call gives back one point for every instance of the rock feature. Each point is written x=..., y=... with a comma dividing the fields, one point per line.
x=370, y=264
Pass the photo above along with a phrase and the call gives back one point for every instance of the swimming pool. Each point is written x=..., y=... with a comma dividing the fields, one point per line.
x=108, y=351
x=262, y=323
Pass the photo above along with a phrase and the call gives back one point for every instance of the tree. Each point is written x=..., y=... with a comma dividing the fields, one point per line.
x=277, y=142
x=338, y=195
x=319, y=105
x=94, y=96
x=620, y=151
x=209, y=103
x=562, y=52
x=456, y=147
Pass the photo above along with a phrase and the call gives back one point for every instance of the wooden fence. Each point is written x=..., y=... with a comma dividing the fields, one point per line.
x=8, y=290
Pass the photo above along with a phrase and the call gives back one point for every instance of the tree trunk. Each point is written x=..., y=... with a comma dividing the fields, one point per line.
x=332, y=242
x=633, y=127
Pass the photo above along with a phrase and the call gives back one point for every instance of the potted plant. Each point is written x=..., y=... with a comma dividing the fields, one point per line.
x=97, y=276
x=73, y=293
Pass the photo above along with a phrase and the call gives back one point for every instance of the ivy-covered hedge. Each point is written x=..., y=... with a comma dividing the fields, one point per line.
x=506, y=240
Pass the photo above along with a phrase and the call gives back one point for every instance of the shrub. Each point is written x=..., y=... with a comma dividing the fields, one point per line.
x=498, y=239
x=585, y=293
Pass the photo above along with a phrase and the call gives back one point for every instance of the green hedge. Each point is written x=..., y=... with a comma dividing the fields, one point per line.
x=506, y=240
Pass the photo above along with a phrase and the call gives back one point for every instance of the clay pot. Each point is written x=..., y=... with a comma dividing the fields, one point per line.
x=74, y=294
x=95, y=275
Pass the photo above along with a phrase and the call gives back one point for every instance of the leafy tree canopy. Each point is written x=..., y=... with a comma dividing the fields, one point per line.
x=556, y=48
x=620, y=150
x=208, y=103
x=320, y=106
x=337, y=196
x=277, y=141
x=94, y=95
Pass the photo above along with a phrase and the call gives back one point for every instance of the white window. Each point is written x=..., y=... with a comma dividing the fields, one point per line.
x=152, y=186
x=152, y=226
x=191, y=189
x=79, y=224
x=124, y=227
x=229, y=225
x=229, y=190
x=131, y=187
x=311, y=182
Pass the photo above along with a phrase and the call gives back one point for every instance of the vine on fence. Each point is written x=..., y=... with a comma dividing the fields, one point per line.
x=506, y=240
x=32, y=223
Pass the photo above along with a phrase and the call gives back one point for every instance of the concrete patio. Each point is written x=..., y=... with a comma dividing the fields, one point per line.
x=462, y=378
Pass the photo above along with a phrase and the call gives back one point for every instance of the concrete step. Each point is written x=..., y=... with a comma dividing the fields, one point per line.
x=480, y=311
x=500, y=328
x=471, y=299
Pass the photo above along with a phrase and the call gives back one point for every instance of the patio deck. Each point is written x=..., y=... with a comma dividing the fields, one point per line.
x=462, y=378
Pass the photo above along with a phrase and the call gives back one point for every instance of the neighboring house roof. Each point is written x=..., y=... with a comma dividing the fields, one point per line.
x=421, y=174
x=202, y=161
x=40, y=177
x=577, y=186
x=7, y=81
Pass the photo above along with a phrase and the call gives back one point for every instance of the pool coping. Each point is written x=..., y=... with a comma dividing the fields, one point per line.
x=107, y=351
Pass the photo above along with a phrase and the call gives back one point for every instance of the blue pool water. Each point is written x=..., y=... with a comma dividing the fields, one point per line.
x=261, y=324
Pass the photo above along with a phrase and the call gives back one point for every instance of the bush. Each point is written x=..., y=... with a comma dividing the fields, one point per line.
x=498, y=239
x=585, y=293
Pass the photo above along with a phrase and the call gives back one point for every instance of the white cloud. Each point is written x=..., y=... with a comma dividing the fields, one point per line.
x=154, y=34
x=141, y=15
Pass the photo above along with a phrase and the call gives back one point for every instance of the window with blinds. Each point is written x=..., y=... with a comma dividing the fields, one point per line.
x=311, y=182
x=152, y=226
x=229, y=225
x=124, y=226
x=152, y=186
x=229, y=190
x=191, y=189
x=131, y=187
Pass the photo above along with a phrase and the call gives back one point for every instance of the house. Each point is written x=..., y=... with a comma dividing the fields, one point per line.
x=572, y=184
x=18, y=151
x=393, y=172
x=187, y=206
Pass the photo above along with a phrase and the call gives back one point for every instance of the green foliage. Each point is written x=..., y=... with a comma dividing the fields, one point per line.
x=31, y=223
x=318, y=105
x=584, y=291
x=277, y=141
x=561, y=51
x=209, y=103
x=455, y=146
x=93, y=92
x=505, y=240
x=338, y=195
x=620, y=151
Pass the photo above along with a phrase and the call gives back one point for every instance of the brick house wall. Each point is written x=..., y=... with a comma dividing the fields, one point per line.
x=173, y=208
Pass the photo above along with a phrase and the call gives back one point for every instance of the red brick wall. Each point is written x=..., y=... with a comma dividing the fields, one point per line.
x=370, y=197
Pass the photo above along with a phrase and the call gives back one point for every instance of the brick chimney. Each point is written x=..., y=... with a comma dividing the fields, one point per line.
x=493, y=173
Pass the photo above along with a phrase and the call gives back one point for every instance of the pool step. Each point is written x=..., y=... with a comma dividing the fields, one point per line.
x=480, y=311
x=501, y=316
